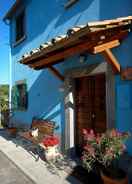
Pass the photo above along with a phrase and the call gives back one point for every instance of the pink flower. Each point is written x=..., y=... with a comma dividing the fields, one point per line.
x=84, y=131
x=98, y=139
x=123, y=147
x=113, y=133
x=90, y=136
x=102, y=148
x=91, y=132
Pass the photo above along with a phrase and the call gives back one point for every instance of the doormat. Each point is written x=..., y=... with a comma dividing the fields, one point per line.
x=84, y=177
x=10, y=173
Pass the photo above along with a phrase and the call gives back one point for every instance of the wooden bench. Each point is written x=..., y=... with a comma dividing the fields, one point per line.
x=45, y=128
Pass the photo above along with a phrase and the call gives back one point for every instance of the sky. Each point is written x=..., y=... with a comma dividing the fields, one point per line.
x=4, y=42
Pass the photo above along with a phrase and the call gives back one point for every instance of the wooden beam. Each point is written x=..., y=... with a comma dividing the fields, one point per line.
x=54, y=59
x=108, y=45
x=111, y=59
x=59, y=56
x=56, y=73
x=67, y=41
x=78, y=38
x=126, y=74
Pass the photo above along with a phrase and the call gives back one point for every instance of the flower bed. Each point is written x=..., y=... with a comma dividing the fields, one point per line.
x=102, y=148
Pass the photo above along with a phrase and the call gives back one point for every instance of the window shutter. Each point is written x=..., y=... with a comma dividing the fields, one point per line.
x=14, y=98
x=20, y=97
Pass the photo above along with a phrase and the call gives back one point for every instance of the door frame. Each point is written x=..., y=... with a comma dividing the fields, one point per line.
x=69, y=100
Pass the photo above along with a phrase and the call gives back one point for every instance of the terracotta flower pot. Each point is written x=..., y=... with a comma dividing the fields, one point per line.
x=12, y=131
x=51, y=152
x=114, y=177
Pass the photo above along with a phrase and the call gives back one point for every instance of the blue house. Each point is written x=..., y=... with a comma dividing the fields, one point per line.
x=72, y=64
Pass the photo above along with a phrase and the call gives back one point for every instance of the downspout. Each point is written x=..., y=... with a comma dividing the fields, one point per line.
x=7, y=22
x=10, y=77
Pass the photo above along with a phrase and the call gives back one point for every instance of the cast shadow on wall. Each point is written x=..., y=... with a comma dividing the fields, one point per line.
x=46, y=25
x=42, y=25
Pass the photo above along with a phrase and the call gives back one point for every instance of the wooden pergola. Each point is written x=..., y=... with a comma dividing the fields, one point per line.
x=95, y=38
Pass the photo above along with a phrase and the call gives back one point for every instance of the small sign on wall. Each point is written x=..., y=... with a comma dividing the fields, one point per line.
x=126, y=74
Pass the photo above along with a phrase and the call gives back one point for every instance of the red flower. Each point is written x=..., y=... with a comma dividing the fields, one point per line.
x=50, y=141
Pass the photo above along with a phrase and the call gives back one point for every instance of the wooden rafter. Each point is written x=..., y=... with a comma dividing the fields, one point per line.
x=75, y=41
x=108, y=45
x=111, y=59
x=56, y=58
x=85, y=46
x=56, y=73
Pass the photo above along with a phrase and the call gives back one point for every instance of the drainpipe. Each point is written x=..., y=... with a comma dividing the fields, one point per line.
x=7, y=22
x=10, y=77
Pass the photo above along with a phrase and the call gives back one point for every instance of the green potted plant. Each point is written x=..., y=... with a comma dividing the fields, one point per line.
x=101, y=151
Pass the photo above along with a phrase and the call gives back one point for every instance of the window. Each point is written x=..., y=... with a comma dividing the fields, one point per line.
x=20, y=97
x=20, y=26
x=70, y=3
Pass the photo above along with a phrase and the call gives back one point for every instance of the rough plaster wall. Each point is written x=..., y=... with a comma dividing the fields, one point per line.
x=46, y=20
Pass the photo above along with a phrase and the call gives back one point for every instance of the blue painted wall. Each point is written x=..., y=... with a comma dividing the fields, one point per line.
x=45, y=20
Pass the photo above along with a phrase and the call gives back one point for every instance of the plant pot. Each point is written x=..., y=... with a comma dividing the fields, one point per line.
x=112, y=176
x=51, y=152
x=12, y=131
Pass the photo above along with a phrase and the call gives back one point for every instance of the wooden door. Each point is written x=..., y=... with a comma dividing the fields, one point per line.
x=90, y=105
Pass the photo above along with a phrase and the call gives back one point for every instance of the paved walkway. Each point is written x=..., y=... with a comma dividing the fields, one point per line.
x=36, y=170
x=10, y=173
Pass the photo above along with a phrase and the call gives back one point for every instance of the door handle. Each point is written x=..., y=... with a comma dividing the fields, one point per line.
x=93, y=116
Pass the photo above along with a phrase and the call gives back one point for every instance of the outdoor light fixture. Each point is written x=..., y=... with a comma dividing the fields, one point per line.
x=83, y=58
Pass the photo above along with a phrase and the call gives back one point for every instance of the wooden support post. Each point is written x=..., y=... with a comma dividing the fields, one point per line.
x=56, y=73
x=111, y=59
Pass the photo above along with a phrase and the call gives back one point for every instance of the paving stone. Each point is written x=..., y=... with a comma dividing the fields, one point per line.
x=10, y=174
x=36, y=170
